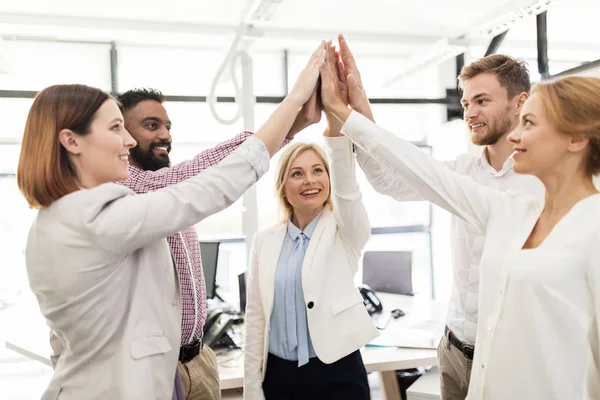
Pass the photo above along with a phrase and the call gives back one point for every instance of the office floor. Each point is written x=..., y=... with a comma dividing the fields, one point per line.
x=25, y=379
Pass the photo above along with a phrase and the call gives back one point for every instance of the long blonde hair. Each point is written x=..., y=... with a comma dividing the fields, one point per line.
x=290, y=153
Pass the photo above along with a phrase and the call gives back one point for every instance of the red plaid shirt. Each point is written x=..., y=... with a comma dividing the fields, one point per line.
x=184, y=244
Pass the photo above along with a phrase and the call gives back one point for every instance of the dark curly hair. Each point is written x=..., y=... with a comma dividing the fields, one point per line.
x=131, y=98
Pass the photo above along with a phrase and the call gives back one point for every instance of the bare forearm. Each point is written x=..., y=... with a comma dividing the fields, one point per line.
x=274, y=131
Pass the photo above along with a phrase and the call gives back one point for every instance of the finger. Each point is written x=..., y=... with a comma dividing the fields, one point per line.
x=320, y=54
x=328, y=61
x=352, y=82
x=328, y=50
x=332, y=60
x=318, y=57
x=347, y=57
x=340, y=71
x=354, y=86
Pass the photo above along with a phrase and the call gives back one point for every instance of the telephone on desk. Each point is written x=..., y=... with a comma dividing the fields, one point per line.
x=219, y=319
x=375, y=308
x=370, y=299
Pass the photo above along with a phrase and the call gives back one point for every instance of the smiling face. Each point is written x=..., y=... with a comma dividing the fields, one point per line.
x=306, y=185
x=488, y=112
x=539, y=148
x=150, y=126
x=102, y=154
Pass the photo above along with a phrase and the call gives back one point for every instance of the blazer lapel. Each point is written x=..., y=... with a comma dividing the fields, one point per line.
x=325, y=220
x=269, y=255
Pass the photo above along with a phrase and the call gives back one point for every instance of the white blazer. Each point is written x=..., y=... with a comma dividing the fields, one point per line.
x=338, y=322
x=100, y=266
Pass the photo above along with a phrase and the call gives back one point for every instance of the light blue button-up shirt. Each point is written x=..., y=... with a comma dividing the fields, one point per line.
x=289, y=337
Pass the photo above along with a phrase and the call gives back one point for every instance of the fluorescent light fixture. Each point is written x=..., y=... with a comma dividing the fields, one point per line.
x=440, y=51
x=265, y=10
x=445, y=49
x=506, y=21
x=260, y=10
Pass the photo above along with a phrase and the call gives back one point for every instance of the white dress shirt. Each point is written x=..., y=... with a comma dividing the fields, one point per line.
x=538, y=308
x=466, y=242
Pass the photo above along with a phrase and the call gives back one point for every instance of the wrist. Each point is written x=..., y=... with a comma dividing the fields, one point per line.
x=332, y=132
x=341, y=113
x=334, y=126
x=293, y=100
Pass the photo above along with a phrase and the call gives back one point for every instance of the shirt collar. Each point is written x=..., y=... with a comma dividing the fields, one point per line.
x=294, y=231
x=507, y=166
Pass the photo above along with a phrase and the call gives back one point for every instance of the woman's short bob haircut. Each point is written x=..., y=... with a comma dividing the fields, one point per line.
x=45, y=172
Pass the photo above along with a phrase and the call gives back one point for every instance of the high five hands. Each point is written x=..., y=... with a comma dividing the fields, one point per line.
x=339, y=89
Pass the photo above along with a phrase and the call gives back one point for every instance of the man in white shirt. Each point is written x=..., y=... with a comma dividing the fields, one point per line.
x=494, y=89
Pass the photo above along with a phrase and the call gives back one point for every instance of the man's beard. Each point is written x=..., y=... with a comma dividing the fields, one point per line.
x=495, y=131
x=147, y=160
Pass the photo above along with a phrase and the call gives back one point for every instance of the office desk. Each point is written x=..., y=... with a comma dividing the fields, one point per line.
x=407, y=342
x=416, y=333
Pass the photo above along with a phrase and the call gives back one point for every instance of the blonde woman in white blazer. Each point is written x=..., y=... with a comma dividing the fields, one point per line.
x=538, y=329
x=319, y=358
x=97, y=256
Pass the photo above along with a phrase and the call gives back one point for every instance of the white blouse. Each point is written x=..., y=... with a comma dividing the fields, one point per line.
x=465, y=241
x=537, y=336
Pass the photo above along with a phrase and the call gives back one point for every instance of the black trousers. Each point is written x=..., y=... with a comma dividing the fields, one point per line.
x=344, y=379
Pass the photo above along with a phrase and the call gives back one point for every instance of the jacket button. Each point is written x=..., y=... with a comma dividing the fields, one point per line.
x=310, y=304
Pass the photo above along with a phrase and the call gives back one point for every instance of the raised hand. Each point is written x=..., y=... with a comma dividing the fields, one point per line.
x=309, y=114
x=341, y=73
x=334, y=126
x=331, y=94
x=358, y=99
x=307, y=80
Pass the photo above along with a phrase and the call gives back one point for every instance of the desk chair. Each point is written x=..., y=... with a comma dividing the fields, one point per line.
x=391, y=272
x=388, y=271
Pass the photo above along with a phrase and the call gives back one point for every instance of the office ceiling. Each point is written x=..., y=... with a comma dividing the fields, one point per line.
x=381, y=27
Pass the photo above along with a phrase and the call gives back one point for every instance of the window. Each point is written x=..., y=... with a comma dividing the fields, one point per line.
x=36, y=65
x=190, y=72
x=13, y=114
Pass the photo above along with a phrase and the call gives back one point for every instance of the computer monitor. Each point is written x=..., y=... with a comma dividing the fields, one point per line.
x=210, y=257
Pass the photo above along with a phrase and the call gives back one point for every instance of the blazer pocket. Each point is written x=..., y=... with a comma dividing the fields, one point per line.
x=149, y=346
x=345, y=302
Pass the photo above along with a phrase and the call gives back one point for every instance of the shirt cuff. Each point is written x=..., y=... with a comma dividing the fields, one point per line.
x=337, y=142
x=256, y=153
x=360, y=130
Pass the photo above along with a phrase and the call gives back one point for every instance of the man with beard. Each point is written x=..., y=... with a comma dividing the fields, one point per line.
x=494, y=90
x=147, y=121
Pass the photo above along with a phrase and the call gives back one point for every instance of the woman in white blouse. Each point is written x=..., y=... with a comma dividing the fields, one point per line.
x=540, y=270
x=305, y=319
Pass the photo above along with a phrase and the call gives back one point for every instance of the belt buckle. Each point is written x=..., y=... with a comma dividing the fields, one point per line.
x=467, y=350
